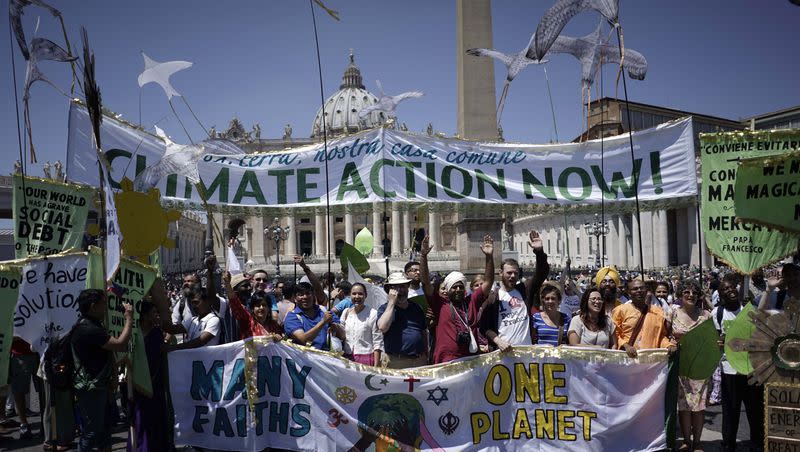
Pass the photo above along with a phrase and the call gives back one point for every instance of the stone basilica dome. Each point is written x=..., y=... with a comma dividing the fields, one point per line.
x=341, y=109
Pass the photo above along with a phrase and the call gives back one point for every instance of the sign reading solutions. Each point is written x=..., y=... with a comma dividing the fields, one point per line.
x=389, y=165
x=782, y=405
x=254, y=394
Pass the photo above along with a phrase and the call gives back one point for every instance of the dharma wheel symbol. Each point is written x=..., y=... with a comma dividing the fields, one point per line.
x=345, y=395
x=449, y=423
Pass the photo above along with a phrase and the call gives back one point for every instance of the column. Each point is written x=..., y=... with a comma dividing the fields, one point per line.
x=635, y=232
x=348, y=227
x=433, y=228
x=662, y=238
x=291, y=238
x=406, y=232
x=622, y=242
x=397, y=246
x=319, y=233
x=377, y=229
x=611, y=240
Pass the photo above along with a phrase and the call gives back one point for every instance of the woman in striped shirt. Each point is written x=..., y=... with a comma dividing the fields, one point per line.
x=549, y=326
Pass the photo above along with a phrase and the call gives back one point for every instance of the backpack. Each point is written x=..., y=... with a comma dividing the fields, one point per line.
x=59, y=363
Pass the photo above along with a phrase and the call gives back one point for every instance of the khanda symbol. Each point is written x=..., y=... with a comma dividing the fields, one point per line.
x=449, y=423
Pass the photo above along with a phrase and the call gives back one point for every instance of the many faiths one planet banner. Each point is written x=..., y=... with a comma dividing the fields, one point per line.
x=388, y=165
x=254, y=394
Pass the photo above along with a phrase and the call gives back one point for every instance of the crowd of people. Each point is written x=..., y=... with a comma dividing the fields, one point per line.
x=425, y=319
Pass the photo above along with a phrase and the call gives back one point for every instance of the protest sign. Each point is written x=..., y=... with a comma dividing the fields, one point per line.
x=782, y=403
x=130, y=284
x=743, y=246
x=564, y=398
x=49, y=216
x=768, y=192
x=388, y=165
x=9, y=291
x=47, y=306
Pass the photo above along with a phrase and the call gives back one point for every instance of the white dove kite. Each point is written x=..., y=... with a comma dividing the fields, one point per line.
x=387, y=104
x=155, y=72
x=181, y=159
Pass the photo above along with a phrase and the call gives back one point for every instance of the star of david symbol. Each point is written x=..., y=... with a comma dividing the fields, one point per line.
x=442, y=395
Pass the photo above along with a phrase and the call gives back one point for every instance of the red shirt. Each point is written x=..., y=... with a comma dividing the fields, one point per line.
x=248, y=325
x=450, y=322
x=19, y=347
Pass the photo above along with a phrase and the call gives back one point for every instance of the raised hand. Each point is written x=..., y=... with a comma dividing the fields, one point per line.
x=425, y=247
x=535, y=241
x=488, y=245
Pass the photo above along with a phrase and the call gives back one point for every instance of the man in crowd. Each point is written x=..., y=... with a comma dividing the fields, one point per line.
x=607, y=280
x=182, y=309
x=403, y=326
x=783, y=289
x=308, y=323
x=505, y=317
x=21, y=370
x=640, y=324
x=92, y=348
x=572, y=295
x=412, y=271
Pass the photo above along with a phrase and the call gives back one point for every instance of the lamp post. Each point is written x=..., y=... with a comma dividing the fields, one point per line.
x=596, y=228
x=277, y=233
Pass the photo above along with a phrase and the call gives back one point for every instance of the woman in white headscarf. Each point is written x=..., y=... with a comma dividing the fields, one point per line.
x=456, y=315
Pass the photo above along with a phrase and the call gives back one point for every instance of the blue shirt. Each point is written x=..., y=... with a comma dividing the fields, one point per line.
x=405, y=334
x=297, y=320
x=344, y=304
x=548, y=335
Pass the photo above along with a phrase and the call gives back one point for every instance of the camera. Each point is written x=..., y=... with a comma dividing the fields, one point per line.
x=463, y=338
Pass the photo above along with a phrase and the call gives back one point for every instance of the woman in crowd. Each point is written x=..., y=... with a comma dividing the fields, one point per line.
x=364, y=340
x=592, y=327
x=691, y=393
x=258, y=323
x=548, y=326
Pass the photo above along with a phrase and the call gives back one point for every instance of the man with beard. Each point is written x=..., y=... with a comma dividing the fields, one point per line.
x=735, y=388
x=456, y=318
x=639, y=324
x=182, y=311
x=505, y=316
x=607, y=280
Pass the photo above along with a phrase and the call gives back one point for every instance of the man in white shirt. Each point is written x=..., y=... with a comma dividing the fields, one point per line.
x=411, y=270
x=201, y=330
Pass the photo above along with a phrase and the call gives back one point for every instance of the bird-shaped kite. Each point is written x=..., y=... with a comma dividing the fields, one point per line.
x=41, y=49
x=155, y=72
x=15, y=12
x=555, y=19
x=514, y=65
x=387, y=104
x=181, y=159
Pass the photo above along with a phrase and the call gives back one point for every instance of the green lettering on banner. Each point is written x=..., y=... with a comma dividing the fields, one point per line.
x=547, y=189
x=281, y=175
x=586, y=183
x=768, y=192
x=499, y=185
x=375, y=179
x=350, y=172
x=430, y=174
x=411, y=187
x=447, y=183
x=112, y=154
x=49, y=216
x=220, y=183
x=249, y=187
x=9, y=293
x=207, y=384
x=618, y=182
x=743, y=246
x=303, y=186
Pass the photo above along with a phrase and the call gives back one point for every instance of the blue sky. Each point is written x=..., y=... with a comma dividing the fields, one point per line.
x=256, y=60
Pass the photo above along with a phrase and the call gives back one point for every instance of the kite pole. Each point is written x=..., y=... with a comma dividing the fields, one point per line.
x=602, y=171
x=635, y=174
x=16, y=110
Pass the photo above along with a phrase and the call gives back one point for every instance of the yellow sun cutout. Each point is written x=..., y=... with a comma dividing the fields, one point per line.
x=144, y=223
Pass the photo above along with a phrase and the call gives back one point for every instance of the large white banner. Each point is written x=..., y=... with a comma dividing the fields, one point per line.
x=389, y=165
x=256, y=394
x=47, y=305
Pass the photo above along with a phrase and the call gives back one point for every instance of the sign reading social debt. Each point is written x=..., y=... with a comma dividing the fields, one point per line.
x=254, y=394
x=388, y=165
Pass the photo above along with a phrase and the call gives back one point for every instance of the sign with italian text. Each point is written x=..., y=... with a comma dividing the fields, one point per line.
x=254, y=394
x=782, y=403
x=768, y=192
x=743, y=246
x=388, y=165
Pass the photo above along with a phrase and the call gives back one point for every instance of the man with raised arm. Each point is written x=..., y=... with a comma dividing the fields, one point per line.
x=506, y=316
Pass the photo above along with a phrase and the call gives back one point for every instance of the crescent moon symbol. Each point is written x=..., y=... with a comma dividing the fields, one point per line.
x=368, y=384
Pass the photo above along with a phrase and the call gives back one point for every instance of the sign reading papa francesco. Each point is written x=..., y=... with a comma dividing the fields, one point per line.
x=744, y=246
x=388, y=165
x=768, y=192
x=49, y=216
x=532, y=398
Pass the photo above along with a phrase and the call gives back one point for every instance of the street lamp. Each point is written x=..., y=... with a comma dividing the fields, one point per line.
x=277, y=233
x=596, y=228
